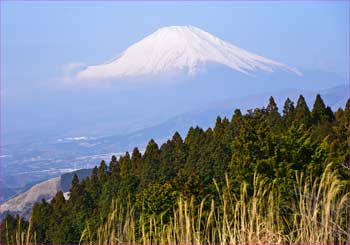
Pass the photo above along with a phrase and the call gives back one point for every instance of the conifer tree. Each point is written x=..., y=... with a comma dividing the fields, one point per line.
x=272, y=106
x=76, y=193
x=75, y=183
x=302, y=112
x=58, y=201
x=319, y=113
x=102, y=171
x=288, y=112
x=235, y=124
x=94, y=175
x=330, y=115
x=125, y=165
x=150, y=162
x=219, y=128
x=136, y=160
x=179, y=151
x=273, y=115
x=113, y=164
x=177, y=139
x=236, y=115
x=114, y=158
x=225, y=123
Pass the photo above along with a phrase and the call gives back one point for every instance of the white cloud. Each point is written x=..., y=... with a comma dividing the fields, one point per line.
x=68, y=75
x=72, y=67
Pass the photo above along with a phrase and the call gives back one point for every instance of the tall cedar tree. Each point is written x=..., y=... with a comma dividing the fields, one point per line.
x=288, y=112
x=302, y=112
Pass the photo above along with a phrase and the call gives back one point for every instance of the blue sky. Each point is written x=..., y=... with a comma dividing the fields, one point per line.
x=39, y=39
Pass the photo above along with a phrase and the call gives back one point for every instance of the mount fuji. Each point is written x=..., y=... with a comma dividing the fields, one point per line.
x=181, y=49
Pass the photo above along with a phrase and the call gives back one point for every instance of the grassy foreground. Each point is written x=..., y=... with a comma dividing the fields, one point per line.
x=319, y=214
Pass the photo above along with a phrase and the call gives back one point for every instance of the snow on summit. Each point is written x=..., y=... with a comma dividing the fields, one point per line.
x=180, y=48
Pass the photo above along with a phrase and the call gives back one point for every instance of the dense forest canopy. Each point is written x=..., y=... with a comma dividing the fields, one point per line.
x=261, y=142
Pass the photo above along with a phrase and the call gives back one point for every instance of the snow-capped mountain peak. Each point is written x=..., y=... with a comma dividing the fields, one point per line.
x=180, y=48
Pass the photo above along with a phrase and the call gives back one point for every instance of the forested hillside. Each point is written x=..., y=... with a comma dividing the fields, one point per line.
x=241, y=158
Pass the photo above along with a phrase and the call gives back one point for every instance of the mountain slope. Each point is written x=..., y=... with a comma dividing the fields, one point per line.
x=22, y=203
x=184, y=49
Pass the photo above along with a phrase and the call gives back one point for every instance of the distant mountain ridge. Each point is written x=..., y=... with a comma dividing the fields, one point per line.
x=335, y=97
